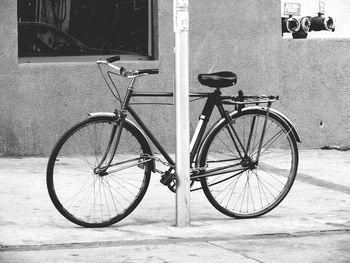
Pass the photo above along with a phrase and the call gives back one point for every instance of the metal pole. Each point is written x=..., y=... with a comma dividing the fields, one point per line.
x=181, y=28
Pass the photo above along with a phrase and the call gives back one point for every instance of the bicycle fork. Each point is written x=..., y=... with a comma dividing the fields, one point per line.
x=115, y=134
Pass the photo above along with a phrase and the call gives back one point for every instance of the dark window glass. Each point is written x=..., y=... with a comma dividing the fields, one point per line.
x=84, y=27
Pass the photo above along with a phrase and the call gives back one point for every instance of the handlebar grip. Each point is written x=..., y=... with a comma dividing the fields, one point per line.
x=148, y=71
x=113, y=59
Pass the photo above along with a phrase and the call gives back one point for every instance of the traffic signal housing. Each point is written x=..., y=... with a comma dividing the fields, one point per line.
x=290, y=24
x=321, y=22
x=305, y=25
x=300, y=27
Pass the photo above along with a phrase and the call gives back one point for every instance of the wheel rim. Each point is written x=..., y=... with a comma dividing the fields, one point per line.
x=255, y=188
x=94, y=199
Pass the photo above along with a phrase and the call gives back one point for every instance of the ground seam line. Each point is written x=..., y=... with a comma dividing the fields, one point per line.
x=167, y=241
x=233, y=251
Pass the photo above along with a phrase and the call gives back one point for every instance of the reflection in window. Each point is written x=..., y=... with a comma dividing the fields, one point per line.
x=84, y=27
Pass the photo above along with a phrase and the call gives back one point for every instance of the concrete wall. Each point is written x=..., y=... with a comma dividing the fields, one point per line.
x=41, y=100
x=315, y=88
x=8, y=77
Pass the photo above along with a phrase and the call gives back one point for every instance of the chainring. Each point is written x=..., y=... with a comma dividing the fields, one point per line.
x=172, y=183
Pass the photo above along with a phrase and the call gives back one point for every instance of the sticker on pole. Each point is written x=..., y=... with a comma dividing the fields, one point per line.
x=292, y=9
x=181, y=21
x=181, y=3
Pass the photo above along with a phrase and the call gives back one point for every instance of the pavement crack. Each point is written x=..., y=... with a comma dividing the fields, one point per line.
x=312, y=180
x=234, y=251
x=305, y=178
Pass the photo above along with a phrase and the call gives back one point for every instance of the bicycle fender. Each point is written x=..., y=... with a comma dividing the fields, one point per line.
x=290, y=124
x=284, y=117
x=101, y=114
x=232, y=113
x=111, y=114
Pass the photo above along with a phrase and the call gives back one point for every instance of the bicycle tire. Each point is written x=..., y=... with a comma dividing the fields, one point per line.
x=252, y=190
x=89, y=199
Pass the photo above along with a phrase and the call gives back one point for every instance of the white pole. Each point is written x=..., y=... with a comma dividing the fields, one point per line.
x=181, y=27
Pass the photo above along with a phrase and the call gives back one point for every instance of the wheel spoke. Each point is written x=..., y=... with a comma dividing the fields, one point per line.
x=260, y=186
x=94, y=200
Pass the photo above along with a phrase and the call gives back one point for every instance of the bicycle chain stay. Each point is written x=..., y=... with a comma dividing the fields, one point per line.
x=196, y=169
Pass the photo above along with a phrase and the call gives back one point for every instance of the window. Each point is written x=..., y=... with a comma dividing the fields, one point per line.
x=84, y=27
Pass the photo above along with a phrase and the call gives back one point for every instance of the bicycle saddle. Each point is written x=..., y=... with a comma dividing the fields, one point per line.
x=220, y=79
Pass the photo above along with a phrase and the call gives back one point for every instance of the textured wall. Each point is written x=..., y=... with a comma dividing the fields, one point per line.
x=41, y=100
x=8, y=77
x=315, y=87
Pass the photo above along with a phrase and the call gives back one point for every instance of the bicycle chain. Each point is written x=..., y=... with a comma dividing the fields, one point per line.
x=171, y=186
x=196, y=169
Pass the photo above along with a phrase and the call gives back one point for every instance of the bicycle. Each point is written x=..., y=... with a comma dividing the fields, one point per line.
x=245, y=163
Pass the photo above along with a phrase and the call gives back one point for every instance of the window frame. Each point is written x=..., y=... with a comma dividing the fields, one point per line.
x=152, y=45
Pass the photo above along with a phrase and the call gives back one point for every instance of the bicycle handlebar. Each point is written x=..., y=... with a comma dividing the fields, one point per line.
x=123, y=71
x=148, y=71
x=113, y=59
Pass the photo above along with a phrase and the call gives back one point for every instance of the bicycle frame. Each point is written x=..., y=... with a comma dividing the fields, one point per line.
x=213, y=99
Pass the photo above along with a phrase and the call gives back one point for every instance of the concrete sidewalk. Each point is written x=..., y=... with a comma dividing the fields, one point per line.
x=311, y=225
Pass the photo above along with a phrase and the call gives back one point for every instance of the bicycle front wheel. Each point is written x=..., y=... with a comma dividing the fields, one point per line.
x=92, y=199
x=243, y=185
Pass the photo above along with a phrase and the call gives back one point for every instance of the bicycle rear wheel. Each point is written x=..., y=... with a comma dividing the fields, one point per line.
x=246, y=189
x=92, y=199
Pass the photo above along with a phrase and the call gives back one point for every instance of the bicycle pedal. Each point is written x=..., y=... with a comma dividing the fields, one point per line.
x=166, y=178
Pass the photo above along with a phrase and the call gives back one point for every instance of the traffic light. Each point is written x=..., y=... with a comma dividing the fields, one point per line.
x=290, y=24
x=301, y=26
x=321, y=22
x=305, y=25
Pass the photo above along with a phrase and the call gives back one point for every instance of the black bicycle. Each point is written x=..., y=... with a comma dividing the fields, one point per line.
x=246, y=163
